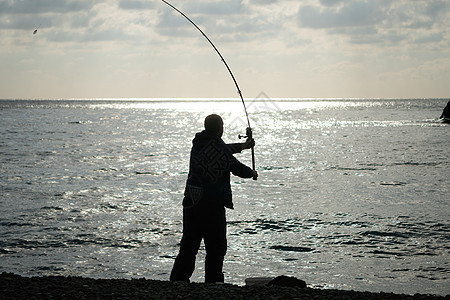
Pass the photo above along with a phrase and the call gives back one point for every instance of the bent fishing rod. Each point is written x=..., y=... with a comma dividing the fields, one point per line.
x=249, y=133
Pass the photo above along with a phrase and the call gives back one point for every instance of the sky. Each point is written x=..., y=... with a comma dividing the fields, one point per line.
x=284, y=49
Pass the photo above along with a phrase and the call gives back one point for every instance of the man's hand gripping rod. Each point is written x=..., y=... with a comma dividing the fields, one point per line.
x=249, y=136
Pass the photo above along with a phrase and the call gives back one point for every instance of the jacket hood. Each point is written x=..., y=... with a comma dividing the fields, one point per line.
x=201, y=139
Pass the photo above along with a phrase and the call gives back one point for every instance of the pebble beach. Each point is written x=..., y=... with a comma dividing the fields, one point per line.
x=57, y=287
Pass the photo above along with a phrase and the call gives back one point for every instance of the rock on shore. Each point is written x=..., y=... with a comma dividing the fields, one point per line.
x=57, y=287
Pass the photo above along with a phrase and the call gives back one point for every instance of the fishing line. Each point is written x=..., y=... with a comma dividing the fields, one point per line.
x=249, y=129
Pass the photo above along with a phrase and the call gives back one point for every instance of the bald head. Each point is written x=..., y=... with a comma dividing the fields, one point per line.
x=214, y=124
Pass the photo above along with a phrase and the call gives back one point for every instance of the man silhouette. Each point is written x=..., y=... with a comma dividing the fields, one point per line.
x=207, y=193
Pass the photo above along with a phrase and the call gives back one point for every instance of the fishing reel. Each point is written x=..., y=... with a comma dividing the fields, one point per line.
x=248, y=134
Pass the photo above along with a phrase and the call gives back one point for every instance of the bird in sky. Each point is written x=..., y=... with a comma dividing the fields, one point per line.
x=35, y=31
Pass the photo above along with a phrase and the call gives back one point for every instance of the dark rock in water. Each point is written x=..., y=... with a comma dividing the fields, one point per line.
x=446, y=112
x=287, y=281
x=291, y=248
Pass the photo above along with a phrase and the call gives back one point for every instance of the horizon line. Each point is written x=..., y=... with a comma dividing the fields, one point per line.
x=222, y=99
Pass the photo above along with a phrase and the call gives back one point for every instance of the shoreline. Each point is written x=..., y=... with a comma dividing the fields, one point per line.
x=58, y=287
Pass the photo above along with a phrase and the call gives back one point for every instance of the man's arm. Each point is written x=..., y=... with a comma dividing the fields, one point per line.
x=238, y=147
x=241, y=170
x=235, y=147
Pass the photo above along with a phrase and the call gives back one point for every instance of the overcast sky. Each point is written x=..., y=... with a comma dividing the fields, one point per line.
x=284, y=48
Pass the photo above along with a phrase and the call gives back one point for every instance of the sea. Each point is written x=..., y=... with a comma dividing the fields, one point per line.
x=352, y=194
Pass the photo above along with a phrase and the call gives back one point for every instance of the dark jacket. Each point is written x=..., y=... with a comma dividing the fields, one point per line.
x=210, y=165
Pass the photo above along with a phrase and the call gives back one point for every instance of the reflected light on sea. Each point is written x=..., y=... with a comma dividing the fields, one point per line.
x=352, y=193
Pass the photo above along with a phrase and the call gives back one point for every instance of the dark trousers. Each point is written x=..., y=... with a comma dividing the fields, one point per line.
x=209, y=224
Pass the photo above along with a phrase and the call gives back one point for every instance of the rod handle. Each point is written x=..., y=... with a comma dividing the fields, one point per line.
x=253, y=162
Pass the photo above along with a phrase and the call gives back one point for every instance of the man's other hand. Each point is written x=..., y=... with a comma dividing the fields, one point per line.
x=249, y=143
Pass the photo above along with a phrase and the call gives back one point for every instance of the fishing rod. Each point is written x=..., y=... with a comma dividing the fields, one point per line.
x=249, y=133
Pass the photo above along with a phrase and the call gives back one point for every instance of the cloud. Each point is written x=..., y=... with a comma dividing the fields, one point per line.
x=230, y=20
x=356, y=13
x=43, y=6
x=378, y=21
x=136, y=4
x=93, y=35
x=330, y=2
x=54, y=17
x=81, y=20
x=263, y=2
x=437, y=8
x=429, y=38
x=20, y=22
x=172, y=24
x=270, y=44
x=224, y=7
